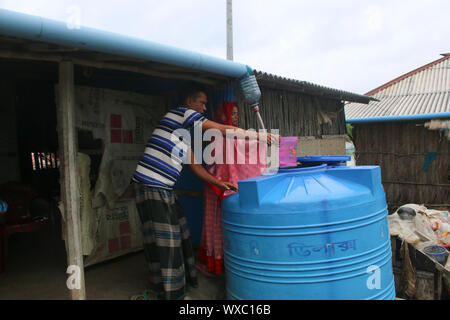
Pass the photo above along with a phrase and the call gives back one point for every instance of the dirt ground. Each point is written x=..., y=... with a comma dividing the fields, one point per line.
x=36, y=270
x=37, y=265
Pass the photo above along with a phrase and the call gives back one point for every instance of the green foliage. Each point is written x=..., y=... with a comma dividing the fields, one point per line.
x=350, y=130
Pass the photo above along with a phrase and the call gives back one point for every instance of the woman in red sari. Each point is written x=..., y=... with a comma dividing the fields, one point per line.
x=211, y=250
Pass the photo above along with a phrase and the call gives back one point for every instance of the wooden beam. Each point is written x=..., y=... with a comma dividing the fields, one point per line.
x=9, y=54
x=68, y=180
x=39, y=47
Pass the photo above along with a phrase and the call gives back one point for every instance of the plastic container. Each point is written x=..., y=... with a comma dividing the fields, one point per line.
x=288, y=151
x=311, y=233
x=436, y=252
x=3, y=206
x=250, y=90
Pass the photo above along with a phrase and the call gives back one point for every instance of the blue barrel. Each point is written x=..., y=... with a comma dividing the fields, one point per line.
x=314, y=233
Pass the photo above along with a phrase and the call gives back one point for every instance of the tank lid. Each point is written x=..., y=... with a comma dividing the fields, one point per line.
x=319, y=187
x=302, y=168
x=329, y=160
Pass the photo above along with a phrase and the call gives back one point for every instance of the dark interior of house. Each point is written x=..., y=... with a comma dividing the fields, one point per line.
x=29, y=176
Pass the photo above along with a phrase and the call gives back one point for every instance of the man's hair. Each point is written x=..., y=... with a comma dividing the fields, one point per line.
x=192, y=93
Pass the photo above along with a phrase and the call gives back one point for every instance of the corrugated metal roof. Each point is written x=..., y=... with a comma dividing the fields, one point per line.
x=422, y=91
x=278, y=82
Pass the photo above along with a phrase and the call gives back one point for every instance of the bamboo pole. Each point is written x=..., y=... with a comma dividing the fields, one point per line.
x=68, y=180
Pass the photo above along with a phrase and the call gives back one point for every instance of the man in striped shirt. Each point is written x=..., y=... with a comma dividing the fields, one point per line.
x=162, y=161
x=167, y=243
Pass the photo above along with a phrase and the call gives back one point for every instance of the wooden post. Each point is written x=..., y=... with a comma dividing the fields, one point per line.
x=68, y=180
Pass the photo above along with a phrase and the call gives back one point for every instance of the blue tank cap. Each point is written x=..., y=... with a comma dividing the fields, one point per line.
x=298, y=169
x=329, y=160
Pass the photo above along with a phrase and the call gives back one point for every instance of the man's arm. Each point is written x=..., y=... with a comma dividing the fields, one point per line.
x=201, y=172
x=238, y=132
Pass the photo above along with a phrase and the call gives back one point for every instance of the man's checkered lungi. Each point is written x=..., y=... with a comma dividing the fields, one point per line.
x=167, y=243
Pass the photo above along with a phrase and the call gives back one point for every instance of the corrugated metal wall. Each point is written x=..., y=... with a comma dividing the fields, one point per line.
x=295, y=114
x=403, y=150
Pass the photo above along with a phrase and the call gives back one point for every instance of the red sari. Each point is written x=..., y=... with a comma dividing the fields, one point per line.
x=211, y=249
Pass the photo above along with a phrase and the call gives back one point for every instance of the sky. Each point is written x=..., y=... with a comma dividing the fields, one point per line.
x=343, y=44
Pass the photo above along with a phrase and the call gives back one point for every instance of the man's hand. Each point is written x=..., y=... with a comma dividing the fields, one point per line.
x=226, y=186
x=274, y=139
x=201, y=172
x=269, y=138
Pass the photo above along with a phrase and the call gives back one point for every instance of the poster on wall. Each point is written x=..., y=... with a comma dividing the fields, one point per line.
x=123, y=121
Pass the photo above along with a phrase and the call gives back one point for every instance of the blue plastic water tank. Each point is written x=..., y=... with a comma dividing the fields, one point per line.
x=314, y=233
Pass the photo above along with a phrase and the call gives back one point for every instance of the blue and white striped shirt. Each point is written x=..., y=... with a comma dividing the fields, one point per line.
x=162, y=162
